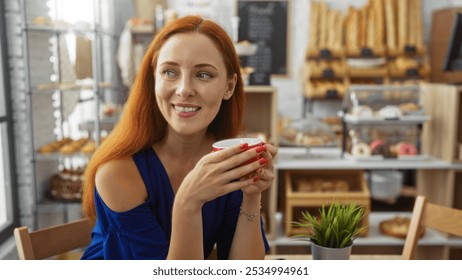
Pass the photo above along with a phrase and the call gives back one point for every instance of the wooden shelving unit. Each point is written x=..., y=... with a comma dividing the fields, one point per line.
x=260, y=117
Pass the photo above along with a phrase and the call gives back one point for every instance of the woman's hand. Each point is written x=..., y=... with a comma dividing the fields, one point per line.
x=224, y=171
x=265, y=173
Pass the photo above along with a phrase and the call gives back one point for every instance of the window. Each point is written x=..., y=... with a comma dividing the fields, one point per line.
x=8, y=212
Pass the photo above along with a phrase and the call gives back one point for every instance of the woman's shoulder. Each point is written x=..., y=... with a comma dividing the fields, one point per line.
x=120, y=185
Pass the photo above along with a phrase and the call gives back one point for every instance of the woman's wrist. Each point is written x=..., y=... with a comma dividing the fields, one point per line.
x=254, y=199
x=250, y=206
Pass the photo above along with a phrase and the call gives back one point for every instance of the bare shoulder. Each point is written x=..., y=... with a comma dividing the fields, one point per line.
x=120, y=185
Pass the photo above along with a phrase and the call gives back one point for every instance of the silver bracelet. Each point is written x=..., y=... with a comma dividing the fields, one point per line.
x=250, y=217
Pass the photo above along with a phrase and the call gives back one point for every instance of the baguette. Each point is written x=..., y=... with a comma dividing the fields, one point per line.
x=412, y=28
x=330, y=31
x=323, y=10
x=338, y=30
x=379, y=23
x=362, y=33
x=419, y=24
x=403, y=23
x=371, y=29
x=314, y=25
x=390, y=20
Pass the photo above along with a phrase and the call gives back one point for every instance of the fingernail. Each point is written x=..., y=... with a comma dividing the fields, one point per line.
x=256, y=178
x=244, y=145
x=263, y=161
x=260, y=149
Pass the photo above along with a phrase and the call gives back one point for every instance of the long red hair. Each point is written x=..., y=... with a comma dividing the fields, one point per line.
x=142, y=124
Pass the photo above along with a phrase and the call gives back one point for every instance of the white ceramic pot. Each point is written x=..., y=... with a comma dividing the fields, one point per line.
x=325, y=253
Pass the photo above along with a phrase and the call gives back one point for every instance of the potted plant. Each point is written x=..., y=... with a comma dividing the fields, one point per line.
x=332, y=232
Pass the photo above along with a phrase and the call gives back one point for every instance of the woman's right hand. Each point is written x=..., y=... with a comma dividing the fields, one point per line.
x=215, y=175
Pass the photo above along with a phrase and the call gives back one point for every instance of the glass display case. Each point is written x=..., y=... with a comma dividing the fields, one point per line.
x=308, y=132
x=382, y=122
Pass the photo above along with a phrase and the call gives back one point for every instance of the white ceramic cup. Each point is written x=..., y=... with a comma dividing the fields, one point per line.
x=223, y=144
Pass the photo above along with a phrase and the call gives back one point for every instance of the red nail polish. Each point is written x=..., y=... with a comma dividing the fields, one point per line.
x=260, y=149
x=244, y=146
x=263, y=161
x=256, y=178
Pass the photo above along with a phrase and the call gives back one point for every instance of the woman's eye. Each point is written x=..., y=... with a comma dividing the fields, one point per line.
x=168, y=73
x=204, y=76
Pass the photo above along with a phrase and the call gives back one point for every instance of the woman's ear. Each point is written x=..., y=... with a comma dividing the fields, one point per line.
x=230, y=87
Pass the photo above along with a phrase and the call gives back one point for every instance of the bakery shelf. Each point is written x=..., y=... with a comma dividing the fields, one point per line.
x=47, y=87
x=57, y=156
x=330, y=158
x=403, y=120
x=66, y=29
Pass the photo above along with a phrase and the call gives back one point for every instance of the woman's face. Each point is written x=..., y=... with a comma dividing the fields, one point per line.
x=191, y=82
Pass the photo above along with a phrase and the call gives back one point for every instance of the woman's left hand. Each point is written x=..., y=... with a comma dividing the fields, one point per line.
x=266, y=173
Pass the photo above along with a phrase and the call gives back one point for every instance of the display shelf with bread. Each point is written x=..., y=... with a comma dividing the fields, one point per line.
x=382, y=44
x=66, y=85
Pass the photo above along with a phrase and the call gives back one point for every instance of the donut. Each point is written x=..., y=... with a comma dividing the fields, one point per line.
x=390, y=112
x=406, y=149
x=362, y=111
x=378, y=147
x=360, y=149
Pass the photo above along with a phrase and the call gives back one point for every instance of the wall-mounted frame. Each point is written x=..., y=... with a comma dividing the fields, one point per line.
x=265, y=23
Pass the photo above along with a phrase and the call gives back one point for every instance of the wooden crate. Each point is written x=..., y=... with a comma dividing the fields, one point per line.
x=300, y=198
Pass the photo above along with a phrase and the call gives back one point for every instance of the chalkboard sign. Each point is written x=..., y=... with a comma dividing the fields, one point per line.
x=264, y=23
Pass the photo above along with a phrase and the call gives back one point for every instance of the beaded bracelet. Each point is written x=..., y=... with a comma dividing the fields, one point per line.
x=250, y=217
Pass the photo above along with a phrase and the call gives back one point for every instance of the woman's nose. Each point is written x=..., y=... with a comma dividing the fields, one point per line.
x=185, y=87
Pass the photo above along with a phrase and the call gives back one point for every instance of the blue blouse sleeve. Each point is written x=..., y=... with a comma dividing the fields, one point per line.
x=135, y=234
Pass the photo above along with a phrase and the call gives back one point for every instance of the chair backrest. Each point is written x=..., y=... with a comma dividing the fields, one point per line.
x=52, y=241
x=429, y=215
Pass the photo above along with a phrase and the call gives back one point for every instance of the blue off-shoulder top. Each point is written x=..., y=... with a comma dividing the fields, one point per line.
x=144, y=231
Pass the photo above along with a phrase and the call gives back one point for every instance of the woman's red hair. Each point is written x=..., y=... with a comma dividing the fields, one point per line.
x=142, y=124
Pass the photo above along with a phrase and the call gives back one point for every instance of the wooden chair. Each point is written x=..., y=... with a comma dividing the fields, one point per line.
x=429, y=215
x=53, y=241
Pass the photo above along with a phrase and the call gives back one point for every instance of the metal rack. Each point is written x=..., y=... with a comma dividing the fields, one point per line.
x=96, y=33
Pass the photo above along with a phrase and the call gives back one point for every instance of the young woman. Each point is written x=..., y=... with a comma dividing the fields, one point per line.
x=154, y=187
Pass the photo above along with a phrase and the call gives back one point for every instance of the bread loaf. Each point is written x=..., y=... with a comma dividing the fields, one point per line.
x=352, y=30
x=330, y=29
x=390, y=21
x=323, y=24
x=371, y=28
x=412, y=28
x=379, y=23
x=419, y=24
x=314, y=25
x=362, y=33
x=403, y=23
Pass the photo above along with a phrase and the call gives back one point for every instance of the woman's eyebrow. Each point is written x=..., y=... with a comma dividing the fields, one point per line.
x=205, y=65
